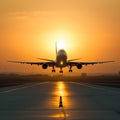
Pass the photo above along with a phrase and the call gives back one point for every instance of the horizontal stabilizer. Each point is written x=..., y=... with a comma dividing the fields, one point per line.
x=74, y=59
x=46, y=59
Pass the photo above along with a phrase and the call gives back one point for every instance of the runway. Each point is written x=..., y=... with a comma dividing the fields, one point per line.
x=41, y=102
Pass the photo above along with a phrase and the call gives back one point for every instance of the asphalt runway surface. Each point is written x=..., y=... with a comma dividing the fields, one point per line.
x=41, y=102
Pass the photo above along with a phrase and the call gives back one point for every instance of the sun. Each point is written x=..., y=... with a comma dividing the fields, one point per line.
x=61, y=40
x=60, y=45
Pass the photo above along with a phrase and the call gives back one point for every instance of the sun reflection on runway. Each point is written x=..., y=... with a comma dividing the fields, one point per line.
x=60, y=115
x=60, y=90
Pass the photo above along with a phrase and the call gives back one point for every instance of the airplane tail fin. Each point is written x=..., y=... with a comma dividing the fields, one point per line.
x=56, y=47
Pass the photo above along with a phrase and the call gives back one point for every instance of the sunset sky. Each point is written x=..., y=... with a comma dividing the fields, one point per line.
x=89, y=29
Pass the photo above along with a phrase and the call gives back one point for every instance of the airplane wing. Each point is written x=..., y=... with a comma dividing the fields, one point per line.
x=87, y=63
x=35, y=63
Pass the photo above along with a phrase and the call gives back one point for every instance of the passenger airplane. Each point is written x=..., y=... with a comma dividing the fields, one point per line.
x=61, y=62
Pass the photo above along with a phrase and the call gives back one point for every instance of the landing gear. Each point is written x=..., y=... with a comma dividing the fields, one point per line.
x=70, y=70
x=61, y=70
x=53, y=70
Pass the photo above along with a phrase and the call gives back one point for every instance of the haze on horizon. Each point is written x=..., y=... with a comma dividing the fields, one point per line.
x=89, y=30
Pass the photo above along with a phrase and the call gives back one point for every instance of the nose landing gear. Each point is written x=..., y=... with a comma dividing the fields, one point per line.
x=70, y=70
x=61, y=70
x=53, y=70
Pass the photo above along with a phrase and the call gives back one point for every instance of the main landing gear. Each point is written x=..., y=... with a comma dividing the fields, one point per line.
x=70, y=70
x=53, y=70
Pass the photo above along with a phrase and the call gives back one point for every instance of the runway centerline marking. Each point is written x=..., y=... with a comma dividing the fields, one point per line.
x=20, y=88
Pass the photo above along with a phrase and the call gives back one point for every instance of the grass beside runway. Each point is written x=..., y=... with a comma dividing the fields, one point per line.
x=16, y=79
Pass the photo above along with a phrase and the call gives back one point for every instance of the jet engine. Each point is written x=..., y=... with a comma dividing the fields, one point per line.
x=44, y=66
x=79, y=66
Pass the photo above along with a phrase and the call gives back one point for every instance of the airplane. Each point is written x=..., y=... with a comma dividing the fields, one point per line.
x=60, y=62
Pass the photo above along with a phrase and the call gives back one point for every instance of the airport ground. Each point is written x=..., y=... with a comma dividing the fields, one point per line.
x=17, y=79
x=39, y=99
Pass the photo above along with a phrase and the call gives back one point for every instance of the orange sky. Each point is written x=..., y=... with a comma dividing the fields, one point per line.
x=90, y=29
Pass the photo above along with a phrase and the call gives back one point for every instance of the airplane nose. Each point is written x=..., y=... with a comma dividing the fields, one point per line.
x=61, y=62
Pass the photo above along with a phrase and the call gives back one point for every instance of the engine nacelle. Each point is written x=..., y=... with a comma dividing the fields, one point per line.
x=79, y=66
x=44, y=66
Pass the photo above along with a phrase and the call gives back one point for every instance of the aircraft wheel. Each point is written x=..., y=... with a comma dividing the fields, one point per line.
x=61, y=71
x=70, y=70
x=53, y=70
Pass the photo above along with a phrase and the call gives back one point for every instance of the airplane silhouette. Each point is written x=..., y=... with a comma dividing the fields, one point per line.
x=61, y=62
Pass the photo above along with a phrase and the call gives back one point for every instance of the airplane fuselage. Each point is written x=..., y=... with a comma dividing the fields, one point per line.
x=61, y=59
